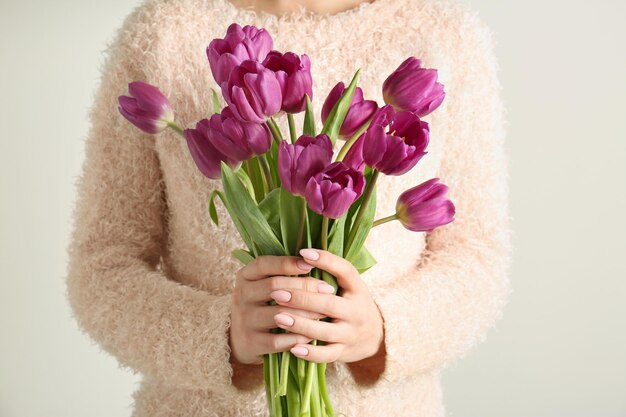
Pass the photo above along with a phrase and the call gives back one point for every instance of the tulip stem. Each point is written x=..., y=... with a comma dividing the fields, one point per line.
x=385, y=219
x=324, y=233
x=266, y=170
x=176, y=128
x=278, y=136
x=303, y=214
x=292, y=127
x=369, y=188
x=346, y=146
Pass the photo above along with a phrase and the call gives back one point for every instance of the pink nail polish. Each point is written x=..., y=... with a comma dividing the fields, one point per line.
x=299, y=351
x=303, y=265
x=281, y=295
x=310, y=254
x=284, y=319
x=325, y=288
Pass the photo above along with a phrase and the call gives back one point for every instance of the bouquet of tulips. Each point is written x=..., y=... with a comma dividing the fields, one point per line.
x=282, y=194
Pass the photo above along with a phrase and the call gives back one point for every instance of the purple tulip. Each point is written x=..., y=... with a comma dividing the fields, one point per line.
x=397, y=150
x=425, y=206
x=148, y=108
x=332, y=191
x=238, y=140
x=412, y=88
x=298, y=162
x=205, y=155
x=359, y=112
x=238, y=45
x=354, y=156
x=252, y=92
x=294, y=75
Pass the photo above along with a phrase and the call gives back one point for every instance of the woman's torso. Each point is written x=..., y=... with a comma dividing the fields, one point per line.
x=375, y=37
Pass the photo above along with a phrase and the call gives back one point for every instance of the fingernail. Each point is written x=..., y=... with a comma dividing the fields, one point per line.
x=281, y=295
x=303, y=265
x=284, y=319
x=310, y=254
x=325, y=288
x=299, y=350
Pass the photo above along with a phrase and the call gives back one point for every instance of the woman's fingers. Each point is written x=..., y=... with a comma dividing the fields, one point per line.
x=315, y=329
x=327, y=304
x=319, y=353
x=262, y=318
x=258, y=292
x=347, y=275
x=277, y=342
x=268, y=265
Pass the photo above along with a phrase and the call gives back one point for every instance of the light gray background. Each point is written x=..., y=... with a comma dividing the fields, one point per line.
x=560, y=349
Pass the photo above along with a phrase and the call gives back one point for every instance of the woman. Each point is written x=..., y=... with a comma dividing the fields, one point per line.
x=152, y=280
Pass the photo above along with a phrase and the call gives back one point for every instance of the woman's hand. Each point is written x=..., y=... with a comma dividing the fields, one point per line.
x=356, y=331
x=251, y=316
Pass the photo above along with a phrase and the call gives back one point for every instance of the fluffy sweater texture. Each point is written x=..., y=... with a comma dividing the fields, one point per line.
x=150, y=277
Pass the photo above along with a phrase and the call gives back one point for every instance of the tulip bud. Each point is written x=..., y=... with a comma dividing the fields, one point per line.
x=298, y=162
x=395, y=141
x=425, y=207
x=359, y=112
x=294, y=76
x=414, y=89
x=252, y=92
x=332, y=191
x=238, y=45
x=205, y=155
x=148, y=108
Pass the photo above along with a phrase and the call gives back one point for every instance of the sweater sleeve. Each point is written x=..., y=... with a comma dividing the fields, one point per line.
x=437, y=311
x=118, y=293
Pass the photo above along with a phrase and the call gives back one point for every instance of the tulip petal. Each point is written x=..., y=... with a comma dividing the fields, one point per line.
x=242, y=108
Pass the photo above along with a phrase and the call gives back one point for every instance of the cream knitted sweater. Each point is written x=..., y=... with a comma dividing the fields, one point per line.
x=150, y=277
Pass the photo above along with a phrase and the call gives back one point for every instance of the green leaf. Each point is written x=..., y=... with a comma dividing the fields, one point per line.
x=256, y=177
x=309, y=119
x=315, y=228
x=217, y=108
x=243, y=176
x=242, y=255
x=269, y=207
x=340, y=109
x=212, y=209
x=247, y=212
x=363, y=260
x=366, y=223
x=238, y=224
x=335, y=236
x=274, y=164
x=290, y=206
x=272, y=160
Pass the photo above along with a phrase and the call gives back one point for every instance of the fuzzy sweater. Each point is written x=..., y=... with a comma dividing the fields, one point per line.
x=150, y=276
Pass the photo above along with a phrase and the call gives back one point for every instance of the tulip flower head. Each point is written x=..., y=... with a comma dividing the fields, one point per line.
x=238, y=45
x=298, y=162
x=147, y=108
x=425, y=206
x=413, y=88
x=204, y=153
x=252, y=92
x=294, y=76
x=354, y=156
x=395, y=141
x=332, y=191
x=359, y=112
x=235, y=139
